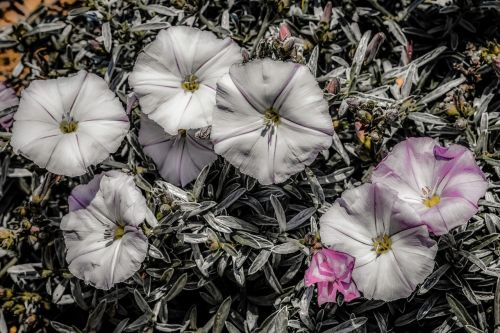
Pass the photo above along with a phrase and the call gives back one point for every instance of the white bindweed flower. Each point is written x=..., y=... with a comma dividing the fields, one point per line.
x=102, y=231
x=176, y=76
x=179, y=158
x=392, y=247
x=271, y=119
x=67, y=124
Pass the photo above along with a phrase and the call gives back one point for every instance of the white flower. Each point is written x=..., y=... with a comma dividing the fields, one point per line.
x=271, y=119
x=176, y=76
x=392, y=248
x=68, y=124
x=179, y=158
x=102, y=230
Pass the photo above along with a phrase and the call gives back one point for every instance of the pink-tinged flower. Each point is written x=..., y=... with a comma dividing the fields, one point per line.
x=8, y=100
x=392, y=248
x=104, y=241
x=271, y=119
x=175, y=77
x=442, y=184
x=179, y=158
x=332, y=272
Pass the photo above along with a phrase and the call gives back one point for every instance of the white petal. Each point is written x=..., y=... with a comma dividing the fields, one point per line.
x=270, y=153
x=179, y=158
x=84, y=99
x=160, y=71
x=94, y=254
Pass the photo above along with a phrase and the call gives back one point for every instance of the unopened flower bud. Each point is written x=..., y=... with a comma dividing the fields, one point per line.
x=284, y=31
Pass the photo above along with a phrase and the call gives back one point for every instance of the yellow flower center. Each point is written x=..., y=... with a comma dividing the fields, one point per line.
x=382, y=244
x=68, y=126
x=271, y=117
x=119, y=232
x=432, y=201
x=182, y=132
x=190, y=83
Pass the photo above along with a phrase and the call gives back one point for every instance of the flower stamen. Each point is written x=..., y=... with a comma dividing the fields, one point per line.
x=68, y=126
x=271, y=117
x=190, y=83
x=382, y=244
x=430, y=202
x=119, y=232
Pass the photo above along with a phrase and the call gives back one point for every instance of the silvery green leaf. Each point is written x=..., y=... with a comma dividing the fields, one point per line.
x=251, y=240
x=460, y=311
x=496, y=306
x=410, y=74
x=170, y=327
x=317, y=191
x=473, y=259
x=58, y=292
x=272, y=279
x=433, y=279
x=47, y=27
x=259, y=261
x=419, y=62
x=231, y=328
x=276, y=322
x=313, y=60
x=300, y=218
x=236, y=223
x=121, y=326
x=107, y=36
x=229, y=199
x=154, y=252
x=138, y=323
x=150, y=26
x=286, y=248
x=348, y=326
x=95, y=317
x=441, y=90
x=396, y=31
x=472, y=329
x=199, y=184
x=176, y=287
x=339, y=148
x=291, y=272
x=221, y=315
x=194, y=238
x=215, y=224
x=3, y=324
x=60, y=327
x=426, y=118
x=164, y=10
x=141, y=302
x=279, y=213
x=239, y=274
x=359, y=56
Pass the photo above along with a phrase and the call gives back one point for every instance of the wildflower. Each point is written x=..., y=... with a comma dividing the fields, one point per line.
x=176, y=75
x=271, y=119
x=442, y=184
x=8, y=100
x=392, y=248
x=68, y=124
x=102, y=230
x=332, y=272
x=179, y=158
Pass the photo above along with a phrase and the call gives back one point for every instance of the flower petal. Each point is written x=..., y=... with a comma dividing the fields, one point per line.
x=179, y=158
x=269, y=152
x=84, y=100
x=164, y=65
